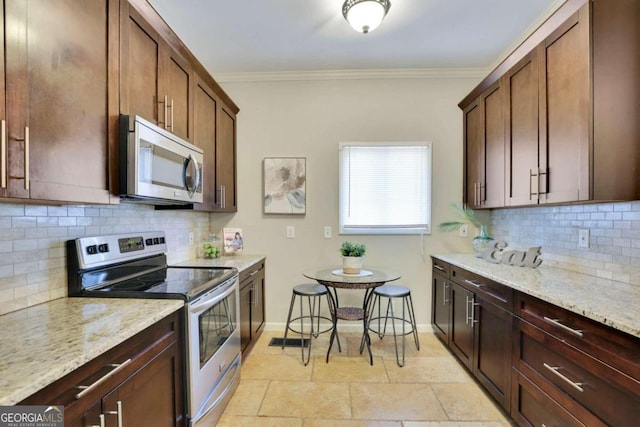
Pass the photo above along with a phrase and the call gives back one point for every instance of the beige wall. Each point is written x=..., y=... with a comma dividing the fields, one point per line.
x=309, y=119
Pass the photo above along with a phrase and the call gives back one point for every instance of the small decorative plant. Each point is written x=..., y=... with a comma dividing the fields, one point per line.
x=465, y=215
x=353, y=249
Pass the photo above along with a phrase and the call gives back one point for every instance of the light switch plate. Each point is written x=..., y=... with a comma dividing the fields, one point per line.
x=463, y=231
x=327, y=232
x=583, y=238
x=291, y=232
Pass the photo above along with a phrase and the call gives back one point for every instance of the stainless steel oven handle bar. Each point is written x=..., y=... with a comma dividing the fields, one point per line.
x=213, y=297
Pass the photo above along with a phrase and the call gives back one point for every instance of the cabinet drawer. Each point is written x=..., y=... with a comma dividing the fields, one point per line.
x=441, y=267
x=607, y=344
x=533, y=407
x=247, y=274
x=566, y=374
x=497, y=294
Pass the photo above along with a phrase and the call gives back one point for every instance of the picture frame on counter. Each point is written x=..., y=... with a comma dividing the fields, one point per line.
x=233, y=239
x=285, y=185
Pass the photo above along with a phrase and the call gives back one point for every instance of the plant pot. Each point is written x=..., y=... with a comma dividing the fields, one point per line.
x=481, y=242
x=352, y=264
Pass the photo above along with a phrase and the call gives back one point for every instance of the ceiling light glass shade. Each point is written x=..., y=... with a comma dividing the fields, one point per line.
x=365, y=15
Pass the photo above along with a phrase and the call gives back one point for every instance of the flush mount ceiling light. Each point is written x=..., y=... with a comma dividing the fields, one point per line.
x=365, y=15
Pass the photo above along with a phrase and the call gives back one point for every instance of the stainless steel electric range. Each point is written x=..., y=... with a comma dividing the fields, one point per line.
x=134, y=265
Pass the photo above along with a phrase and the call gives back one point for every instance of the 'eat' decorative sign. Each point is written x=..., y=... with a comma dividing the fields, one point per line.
x=527, y=258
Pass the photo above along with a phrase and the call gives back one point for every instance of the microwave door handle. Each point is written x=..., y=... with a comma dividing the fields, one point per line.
x=197, y=176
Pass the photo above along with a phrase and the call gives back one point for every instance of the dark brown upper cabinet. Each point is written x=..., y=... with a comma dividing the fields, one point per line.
x=156, y=81
x=570, y=101
x=484, y=150
x=58, y=60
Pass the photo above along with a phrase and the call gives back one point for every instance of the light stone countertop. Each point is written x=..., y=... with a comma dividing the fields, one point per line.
x=241, y=262
x=616, y=304
x=43, y=343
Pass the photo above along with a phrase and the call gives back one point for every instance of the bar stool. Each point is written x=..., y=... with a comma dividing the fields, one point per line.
x=314, y=293
x=390, y=292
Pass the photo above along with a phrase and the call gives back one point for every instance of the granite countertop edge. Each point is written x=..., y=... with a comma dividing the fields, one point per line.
x=69, y=333
x=606, y=301
x=241, y=262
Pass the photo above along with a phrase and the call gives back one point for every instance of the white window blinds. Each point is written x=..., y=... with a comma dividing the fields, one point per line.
x=385, y=188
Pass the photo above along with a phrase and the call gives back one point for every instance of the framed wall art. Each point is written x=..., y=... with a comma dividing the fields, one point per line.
x=285, y=185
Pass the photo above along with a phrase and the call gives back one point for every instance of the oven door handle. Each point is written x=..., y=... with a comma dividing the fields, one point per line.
x=213, y=297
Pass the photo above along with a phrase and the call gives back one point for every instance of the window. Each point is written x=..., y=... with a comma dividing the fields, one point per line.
x=385, y=188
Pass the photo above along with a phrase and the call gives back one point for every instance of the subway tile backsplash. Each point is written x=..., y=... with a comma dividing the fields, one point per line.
x=614, y=229
x=33, y=238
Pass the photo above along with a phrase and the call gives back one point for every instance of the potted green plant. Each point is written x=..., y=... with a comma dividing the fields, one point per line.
x=352, y=257
x=467, y=216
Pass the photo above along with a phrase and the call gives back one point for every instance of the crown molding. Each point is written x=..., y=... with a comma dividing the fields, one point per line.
x=419, y=73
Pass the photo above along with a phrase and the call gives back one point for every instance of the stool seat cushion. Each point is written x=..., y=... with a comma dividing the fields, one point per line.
x=392, y=291
x=310, y=289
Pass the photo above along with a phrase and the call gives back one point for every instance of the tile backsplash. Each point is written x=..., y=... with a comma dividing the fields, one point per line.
x=614, y=228
x=33, y=243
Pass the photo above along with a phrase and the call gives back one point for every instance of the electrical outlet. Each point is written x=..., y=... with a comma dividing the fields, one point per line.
x=191, y=238
x=291, y=232
x=463, y=231
x=327, y=232
x=583, y=238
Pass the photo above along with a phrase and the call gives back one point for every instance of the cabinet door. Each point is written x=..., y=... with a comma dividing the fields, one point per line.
x=492, y=189
x=461, y=332
x=492, y=356
x=521, y=90
x=474, y=153
x=56, y=93
x=3, y=115
x=257, y=311
x=204, y=136
x=148, y=397
x=178, y=82
x=140, y=68
x=441, y=311
x=226, y=161
x=245, y=316
x=564, y=111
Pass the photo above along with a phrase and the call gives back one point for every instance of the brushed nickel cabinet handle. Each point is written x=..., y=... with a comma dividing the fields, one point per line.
x=473, y=312
x=445, y=289
x=118, y=367
x=466, y=307
x=223, y=192
x=555, y=370
x=474, y=283
x=171, y=107
x=101, y=418
x=3, y=154
x=437, y=267
x=26, y=158
x=556, y=322
x=533, y=174
x=117, y=412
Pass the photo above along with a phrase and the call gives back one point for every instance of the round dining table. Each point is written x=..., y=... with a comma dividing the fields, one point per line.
x=368, y=279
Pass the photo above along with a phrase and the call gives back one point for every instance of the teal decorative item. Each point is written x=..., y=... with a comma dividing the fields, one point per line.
x=481, y=242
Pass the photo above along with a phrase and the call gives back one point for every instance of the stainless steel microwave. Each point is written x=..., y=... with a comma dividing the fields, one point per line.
x=156, y=166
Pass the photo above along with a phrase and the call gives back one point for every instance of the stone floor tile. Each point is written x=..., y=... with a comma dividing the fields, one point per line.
x=455, y=424
x=244, y=421
x=349, y=369
x=275, y=367
x=306, y=400
x=396, y=402
x=247, y=398
x=467, y=402
x=323, y=422
x=436, y=369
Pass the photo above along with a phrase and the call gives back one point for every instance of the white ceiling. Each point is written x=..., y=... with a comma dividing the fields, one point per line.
x=259, y=36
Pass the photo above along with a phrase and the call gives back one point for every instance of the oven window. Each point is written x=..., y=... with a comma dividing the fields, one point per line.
x=215, y=326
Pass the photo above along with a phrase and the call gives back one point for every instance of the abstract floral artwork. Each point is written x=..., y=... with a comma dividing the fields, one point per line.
x=285, y=182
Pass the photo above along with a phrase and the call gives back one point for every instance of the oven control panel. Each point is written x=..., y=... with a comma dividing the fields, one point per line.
x=104, y=250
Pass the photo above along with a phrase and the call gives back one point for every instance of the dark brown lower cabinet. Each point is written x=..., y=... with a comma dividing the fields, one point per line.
x=544, y=365
x=139, y=382
x=251, y=306
x=478, y=329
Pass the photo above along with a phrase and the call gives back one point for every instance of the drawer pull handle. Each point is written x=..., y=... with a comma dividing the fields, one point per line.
x=445, y=291
x=118, y=367
x=437, y=267
x=555, y=369
x=474, y=283
x=117, y=412
x=557, y=323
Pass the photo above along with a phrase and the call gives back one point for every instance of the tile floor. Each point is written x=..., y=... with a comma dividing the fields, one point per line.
x=433, y=389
